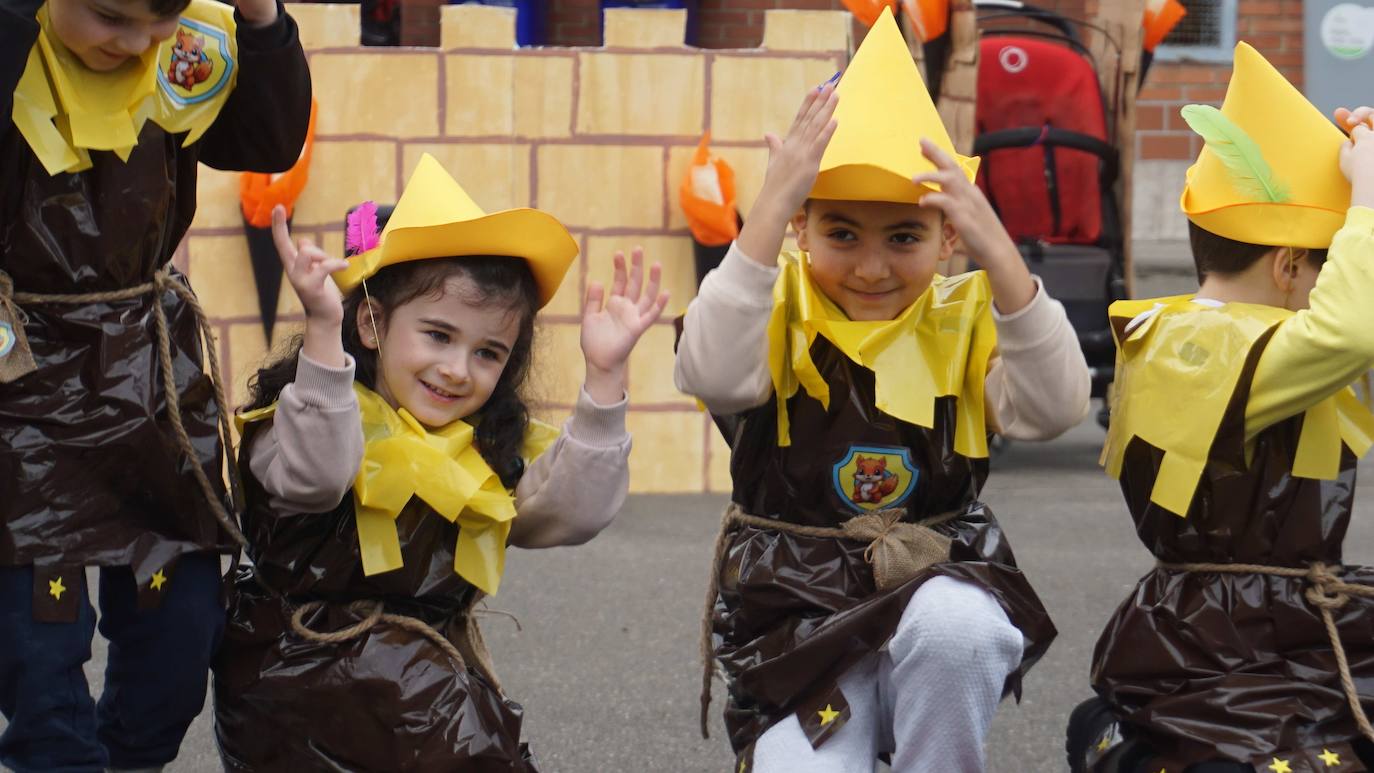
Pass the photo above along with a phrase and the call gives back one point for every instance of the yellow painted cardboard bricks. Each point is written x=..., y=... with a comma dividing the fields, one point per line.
x=436, y=218
x=1287, y=189
x=884, y=110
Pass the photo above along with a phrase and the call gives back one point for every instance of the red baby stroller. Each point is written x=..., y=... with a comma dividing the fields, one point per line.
x=1048, y=166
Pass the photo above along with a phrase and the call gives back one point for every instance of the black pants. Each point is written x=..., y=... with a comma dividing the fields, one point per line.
x=155, y=680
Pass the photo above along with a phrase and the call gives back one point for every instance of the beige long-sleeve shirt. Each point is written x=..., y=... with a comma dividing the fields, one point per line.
x=1037, y=388
x=308, y=457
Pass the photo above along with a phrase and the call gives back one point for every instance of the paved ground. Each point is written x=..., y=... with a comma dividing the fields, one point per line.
x=606, y=663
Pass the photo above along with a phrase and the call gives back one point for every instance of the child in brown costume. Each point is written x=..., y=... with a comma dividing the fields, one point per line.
x=864, y=601
x=1235, y=437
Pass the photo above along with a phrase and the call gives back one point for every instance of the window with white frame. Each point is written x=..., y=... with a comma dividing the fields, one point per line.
x=1206, y=34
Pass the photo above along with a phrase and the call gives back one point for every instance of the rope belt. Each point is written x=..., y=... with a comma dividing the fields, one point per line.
x=1327, y=593
x=896, y=550
x=471, y=647
x=163, y=281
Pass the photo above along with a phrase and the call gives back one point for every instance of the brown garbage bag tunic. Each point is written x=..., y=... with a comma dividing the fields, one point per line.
x=387, y=700
x=1202, y=666
x=794, y=612
x=90, y=470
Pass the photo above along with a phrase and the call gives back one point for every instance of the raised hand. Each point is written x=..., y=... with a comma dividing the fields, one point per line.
x=968, y=210
x=794, y=162
x=308, y=269
x=258, y=13
x=612, y=324
x=1357, y=155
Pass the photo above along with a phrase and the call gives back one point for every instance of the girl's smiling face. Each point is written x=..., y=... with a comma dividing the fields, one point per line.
x=107, y=34
x=873, y=259
x=441, y=354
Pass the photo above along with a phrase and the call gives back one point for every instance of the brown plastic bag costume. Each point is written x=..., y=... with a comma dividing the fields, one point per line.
x=387, y=700
x=794, y=612
x=1203, y=666
x=90, y=472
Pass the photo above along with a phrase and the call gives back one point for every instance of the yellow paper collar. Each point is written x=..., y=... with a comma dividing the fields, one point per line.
x=64, y=109
x=1174, y=396
x=939, y=347
x=402, y=459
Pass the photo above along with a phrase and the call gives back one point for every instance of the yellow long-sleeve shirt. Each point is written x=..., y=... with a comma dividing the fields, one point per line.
x=1323, y=349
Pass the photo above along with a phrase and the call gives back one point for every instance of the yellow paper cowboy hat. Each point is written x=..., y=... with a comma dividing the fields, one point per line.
x=883, y=113
x=436, y=218
x=1268, y=173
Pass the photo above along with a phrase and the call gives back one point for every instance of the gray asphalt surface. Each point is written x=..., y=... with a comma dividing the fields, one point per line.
x=606, y=664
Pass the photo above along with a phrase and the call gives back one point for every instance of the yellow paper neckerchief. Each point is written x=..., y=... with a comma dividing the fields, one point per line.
x=939, y=347
x=402, y=459
x=1173, y=396
x=65, y=109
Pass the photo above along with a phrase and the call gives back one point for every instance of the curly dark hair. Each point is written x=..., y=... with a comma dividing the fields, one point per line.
x=498, y=282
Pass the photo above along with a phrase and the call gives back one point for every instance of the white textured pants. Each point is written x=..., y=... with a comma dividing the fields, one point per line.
x=928, y=698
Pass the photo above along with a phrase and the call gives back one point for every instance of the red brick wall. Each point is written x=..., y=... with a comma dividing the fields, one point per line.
x=1273, y=27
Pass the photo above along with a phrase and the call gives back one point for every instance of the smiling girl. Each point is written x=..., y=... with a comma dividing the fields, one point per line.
x=389, y=462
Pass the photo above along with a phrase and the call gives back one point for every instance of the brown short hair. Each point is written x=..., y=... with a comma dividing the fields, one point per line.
x=1214, y=254
x=165, y=8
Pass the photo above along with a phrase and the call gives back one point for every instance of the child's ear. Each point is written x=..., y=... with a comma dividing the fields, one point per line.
x=371, y=322
x=799, y=225
x=949, y=237
x=1284, y=265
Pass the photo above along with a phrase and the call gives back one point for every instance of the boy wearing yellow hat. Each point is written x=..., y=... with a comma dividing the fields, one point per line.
x=389, y=460
x=863, y=600
x=113, y=432
x=1235, y=437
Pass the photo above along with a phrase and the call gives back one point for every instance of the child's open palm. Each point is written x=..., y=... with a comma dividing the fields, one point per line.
x=613, y=323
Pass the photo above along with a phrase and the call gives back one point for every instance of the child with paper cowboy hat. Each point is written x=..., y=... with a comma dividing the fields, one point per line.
x=113, y=430
x=1235, y=437
x=862, y=599
x=389, y=459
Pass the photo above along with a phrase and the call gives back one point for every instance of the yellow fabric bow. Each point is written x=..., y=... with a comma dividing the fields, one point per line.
x=402, y=459
x=65, y=109
x=939, y=347
x=1174, y=397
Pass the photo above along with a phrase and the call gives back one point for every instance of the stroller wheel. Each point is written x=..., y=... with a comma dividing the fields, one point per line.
x=1091, y=733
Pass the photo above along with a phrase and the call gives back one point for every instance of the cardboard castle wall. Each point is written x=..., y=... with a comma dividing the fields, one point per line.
x=600, y=137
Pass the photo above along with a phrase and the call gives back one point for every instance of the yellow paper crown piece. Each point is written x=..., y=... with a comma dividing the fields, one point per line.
x=1299, y=148
x=436, y=218
x=883, y=113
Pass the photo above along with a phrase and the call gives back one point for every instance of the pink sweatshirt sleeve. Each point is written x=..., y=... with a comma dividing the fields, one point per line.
x=309, y=454
x=576, y=487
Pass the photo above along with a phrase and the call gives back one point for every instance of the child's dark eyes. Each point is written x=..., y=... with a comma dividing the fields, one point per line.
x=905, y=238
x=438, y=336
x=842, y=235
x=113, y=21
x=489, y=354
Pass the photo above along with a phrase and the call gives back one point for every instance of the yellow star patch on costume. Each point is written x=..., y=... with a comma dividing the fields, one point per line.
x=1178, y=366
x=56, y=588
x=159, y=579
x=1330, y=758
x=65, y=109
x=939, y=347
x=827, y=714
x=1280, y=766
x=402, y=459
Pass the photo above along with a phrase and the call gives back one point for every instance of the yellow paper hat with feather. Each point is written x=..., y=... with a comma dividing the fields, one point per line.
x=436, y=218
x=883, y=113
x=1268, y=173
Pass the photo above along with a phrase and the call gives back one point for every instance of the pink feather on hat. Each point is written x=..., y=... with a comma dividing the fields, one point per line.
x=361, y=233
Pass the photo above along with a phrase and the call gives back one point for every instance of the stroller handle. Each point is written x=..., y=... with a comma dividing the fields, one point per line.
x=1016, y=8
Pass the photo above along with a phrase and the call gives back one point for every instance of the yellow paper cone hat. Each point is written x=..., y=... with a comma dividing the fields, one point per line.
x=1268, y=173
x=436, y=218
x=883, y=113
